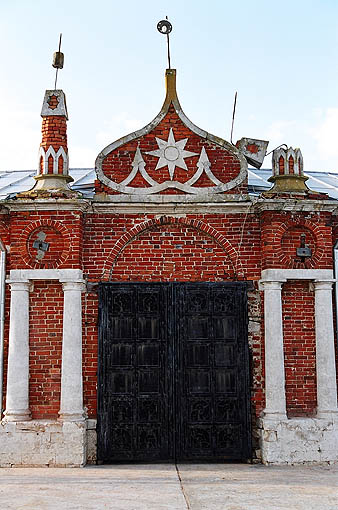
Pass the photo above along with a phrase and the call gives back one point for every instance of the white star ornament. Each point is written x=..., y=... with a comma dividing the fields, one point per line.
x=171, y=154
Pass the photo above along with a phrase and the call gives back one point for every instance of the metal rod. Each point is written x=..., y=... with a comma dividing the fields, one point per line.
x=57, y=70
x=233, y=117
x=281, y=145
x=168, y=45
x=56, y=78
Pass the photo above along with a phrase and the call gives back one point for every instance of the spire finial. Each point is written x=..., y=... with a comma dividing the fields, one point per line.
x=58, y=60
x=165, y=27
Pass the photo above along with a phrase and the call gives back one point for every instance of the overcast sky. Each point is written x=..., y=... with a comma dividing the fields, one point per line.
x=281, y=57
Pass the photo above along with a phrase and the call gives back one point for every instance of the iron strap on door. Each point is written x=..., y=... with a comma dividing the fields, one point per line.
x=173, y=372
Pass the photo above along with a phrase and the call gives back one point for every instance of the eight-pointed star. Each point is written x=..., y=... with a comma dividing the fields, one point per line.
x=171, y=153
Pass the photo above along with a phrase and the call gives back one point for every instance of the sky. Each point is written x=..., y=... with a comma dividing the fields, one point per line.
x=281, y=58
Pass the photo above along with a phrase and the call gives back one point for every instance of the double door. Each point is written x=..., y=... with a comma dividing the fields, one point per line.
x=173, y=380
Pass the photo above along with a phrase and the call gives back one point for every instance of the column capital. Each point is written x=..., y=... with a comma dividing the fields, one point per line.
x=19, y=285
x=323, y=284
x=71, y=285
x=271, y=284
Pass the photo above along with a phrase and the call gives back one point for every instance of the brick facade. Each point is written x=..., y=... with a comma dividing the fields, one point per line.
x=206, y=247
x=163, y=240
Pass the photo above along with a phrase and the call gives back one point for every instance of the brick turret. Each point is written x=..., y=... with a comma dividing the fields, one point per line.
x=287, y=168
x=53, y=168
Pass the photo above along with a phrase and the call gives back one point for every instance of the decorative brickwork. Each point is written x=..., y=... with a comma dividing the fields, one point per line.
x=279, y=240
x=57, y=238
x=119, y=163
x=63, y=231
x=232, y=269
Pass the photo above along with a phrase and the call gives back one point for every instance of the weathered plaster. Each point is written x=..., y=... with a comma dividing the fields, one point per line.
x=43, y=443
x=299, y=440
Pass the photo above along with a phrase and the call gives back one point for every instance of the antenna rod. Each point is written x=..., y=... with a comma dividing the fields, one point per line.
x=58, y=61
x=56, y=78
x=233, y=117
x=168, y=46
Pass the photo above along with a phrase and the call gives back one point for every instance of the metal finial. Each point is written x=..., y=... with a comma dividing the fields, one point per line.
x=165, y=27
x=58, y=61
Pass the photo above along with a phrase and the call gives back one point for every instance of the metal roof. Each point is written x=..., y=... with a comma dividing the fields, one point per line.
x=16, y=181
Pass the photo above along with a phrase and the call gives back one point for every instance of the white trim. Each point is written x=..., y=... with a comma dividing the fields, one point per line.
x=56, y=156
x=63, y=275
x=61, y=108
x=282, y=275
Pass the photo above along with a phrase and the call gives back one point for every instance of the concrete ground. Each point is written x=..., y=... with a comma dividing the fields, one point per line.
x=159, y=487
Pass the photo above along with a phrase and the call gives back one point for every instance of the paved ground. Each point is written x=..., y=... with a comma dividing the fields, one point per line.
x=159, y=487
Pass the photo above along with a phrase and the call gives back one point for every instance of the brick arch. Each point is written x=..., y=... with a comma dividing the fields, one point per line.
x=34, y=225
x=198, y=225
x=307, y=225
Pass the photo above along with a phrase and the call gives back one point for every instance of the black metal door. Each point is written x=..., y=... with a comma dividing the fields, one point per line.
x=173, y=381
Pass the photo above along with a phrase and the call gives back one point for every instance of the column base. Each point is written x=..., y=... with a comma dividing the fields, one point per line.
x=76, y=416
x=299, y=440
x=17, y=415
x=328, y=415
x=274, y=415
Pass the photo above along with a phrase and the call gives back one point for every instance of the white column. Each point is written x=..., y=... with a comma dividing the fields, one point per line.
x=275, y=404
x=325, y=352
x=71, y=408
x=17, y=397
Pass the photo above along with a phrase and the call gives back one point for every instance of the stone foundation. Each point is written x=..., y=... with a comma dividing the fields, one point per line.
x=299, y=440
x=43, y=443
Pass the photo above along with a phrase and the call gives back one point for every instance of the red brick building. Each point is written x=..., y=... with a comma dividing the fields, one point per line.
x=172, y=315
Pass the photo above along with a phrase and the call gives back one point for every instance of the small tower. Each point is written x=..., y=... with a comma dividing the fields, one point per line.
x=53, y=167
x=287, y=168
x=52, y=176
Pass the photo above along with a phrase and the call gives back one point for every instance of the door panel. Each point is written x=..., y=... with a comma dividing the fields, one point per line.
x=173, y=372
x=133, y=385
x=212, y=355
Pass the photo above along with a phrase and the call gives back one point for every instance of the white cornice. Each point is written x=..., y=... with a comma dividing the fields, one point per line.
x=171, y=204
x=50, y=204
x=296, y=205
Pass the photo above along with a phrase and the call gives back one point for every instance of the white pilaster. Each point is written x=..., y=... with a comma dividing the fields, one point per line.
x=325, y=352
x=17, y=397
x=275, y=406
x=71, y=408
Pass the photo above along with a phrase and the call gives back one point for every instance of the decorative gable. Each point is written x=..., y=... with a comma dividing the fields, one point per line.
x=171, y=156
